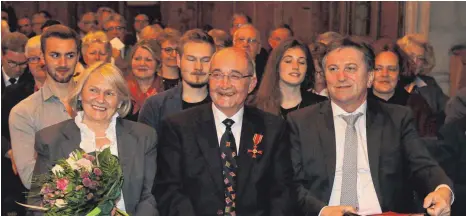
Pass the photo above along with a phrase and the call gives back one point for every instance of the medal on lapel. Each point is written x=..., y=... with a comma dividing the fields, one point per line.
x=254, y=152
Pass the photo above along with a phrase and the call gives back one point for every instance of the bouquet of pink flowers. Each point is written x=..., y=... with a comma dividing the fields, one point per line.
x=82, y=184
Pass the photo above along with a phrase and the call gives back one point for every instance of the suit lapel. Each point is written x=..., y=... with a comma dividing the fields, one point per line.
x=374, y=133
x=208, y=143
x=244, y=160
x=125, y=143
x=327, y=141
x=72, y=133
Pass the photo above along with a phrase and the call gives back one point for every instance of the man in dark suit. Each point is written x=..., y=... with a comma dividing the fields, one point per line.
x=224, y=158
x=353, y=155
x=14, y=61
x=195, y=44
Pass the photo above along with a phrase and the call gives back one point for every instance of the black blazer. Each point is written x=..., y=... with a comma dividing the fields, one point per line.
x=395, y=154
x=190, y=180
x=136, y=151
x=11, y=96
x=452, y=158
x=25, y=77
x=161, y=105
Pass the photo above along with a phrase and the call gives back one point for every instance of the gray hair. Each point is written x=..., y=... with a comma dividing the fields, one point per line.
x=115, y=18
x=113, y=76
x=14, y=41
x=245, y=26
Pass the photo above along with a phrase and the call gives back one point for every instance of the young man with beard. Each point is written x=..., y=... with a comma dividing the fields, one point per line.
x=193, y=57
x=48, y=105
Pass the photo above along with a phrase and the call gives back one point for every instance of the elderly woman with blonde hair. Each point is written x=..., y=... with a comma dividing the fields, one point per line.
x=420, y=61
x=95, y=47
x=100, y=100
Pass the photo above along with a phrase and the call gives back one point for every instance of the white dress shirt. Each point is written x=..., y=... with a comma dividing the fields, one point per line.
x=219, y=117
x=367, y=197
x=88, y=142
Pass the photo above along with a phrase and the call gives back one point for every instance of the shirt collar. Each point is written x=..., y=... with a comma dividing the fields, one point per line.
x=47, y=92
x=79, y=122
x=220, y=116
x=5, y=75
x=338, y=111
x=419, y=82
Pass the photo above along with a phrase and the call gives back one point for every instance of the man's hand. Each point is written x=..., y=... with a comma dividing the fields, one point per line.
x=337, y=210
x=438, y=202
x=13, y=164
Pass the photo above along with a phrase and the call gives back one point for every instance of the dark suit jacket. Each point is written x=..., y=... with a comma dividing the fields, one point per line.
x=136, y=151
x=11, y=96
x=433, y=94
x=395, y=154
x=25, y=77
x=161, y=105
x=452, y=158
x=190, y=180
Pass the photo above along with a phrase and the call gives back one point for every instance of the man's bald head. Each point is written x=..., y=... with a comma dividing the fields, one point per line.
x=233, y=52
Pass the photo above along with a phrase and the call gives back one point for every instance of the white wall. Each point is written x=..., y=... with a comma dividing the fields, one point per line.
x=447, y=28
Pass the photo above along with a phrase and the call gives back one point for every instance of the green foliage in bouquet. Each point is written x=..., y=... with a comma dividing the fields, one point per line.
x=82, y=184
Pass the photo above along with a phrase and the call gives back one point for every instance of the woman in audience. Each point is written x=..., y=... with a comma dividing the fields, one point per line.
x=318, y=52
x=169, y=70
x=100, y=100
x=386, y=87
x=420, y=61
x=95, y=47
x=143, y=80
x=289, y=67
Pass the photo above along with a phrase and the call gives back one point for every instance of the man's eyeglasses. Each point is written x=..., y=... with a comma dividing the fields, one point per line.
x=14, y=64
x=169, y=50
x=232, y=76
x=246, y=40
x=237, y=25
x=90, y=22
x=118, y=28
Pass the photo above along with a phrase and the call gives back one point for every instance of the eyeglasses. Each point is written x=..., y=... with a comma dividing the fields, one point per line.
x=141, y=21
x=246, y=40
x=169, y=50
x=232, y=76
x=14, y=64
x=118, y=28
x=237, y=25
x=34, y=59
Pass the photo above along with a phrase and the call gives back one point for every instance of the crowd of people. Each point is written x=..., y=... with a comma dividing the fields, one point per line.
x=207, y=122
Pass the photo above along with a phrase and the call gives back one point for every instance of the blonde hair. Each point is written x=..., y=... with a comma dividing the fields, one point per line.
x=113, y=76
x=409, y=41
x=96, y=37
x=33, y=43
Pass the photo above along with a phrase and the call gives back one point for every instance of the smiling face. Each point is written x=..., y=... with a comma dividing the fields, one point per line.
x=143, y=64
x=229, y=94
x=347, y=77
x=99, y=99
x=61, y=57
x=386, y=72
x=293, y=67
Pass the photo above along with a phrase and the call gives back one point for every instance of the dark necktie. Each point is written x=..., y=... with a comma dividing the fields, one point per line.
x=349, y=192
x=228, y=154
x=12, y=81
x=415, y=90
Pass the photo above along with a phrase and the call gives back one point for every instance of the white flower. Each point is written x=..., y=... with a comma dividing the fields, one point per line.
x=57, y=169
x=60, y=203
x=85, y=163
x=72, y=163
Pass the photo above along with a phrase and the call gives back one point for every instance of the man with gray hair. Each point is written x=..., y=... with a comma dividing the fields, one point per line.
x=237, y=20
x=248, y=38
x=14, y=61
